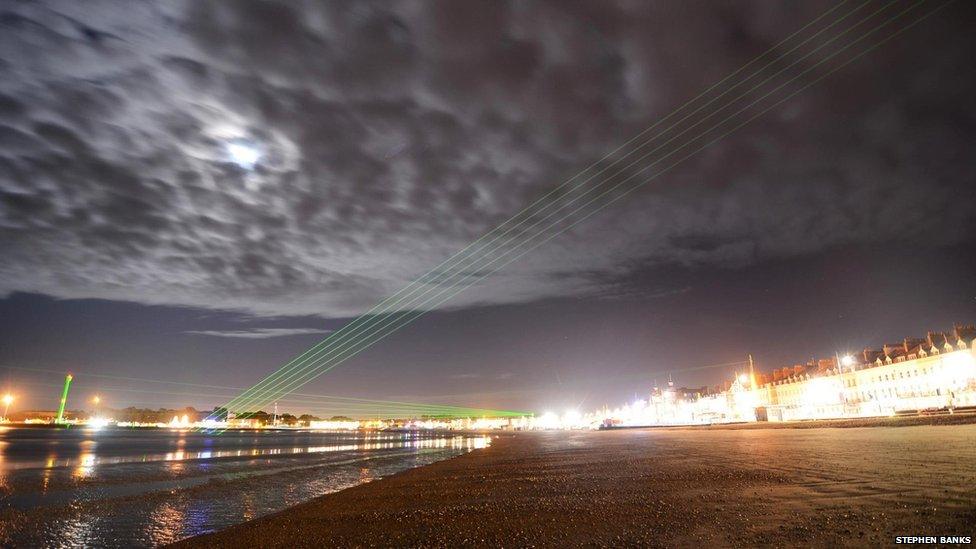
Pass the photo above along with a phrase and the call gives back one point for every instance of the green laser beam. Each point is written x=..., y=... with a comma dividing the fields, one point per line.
x=574, y=212
x=436, y=270
x=529, y=209
x=765, y=110
x=64, y=400
x=679, y=148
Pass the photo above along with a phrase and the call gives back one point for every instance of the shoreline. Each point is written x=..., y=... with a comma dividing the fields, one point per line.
x=673, y=486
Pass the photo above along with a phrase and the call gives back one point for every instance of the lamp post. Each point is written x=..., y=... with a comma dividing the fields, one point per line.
x=95, y=400
x=7, y=400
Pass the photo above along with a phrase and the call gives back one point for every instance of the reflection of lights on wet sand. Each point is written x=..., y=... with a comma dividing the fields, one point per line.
x=86, y=464
x=249, y=512
x=365, y=475
x=3, y=478
x=176, y=460
x=166, y=524
x=47, y=478
x=77, y=527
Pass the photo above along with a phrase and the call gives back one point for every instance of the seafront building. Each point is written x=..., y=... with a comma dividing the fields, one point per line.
x=937, y=372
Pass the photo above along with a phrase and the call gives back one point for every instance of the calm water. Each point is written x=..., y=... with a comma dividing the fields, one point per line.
x=136, y=487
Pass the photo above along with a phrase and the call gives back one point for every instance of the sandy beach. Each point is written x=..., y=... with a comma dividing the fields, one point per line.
x=720, y=487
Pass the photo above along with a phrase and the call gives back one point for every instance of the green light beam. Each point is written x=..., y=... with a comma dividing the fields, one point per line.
x=342, y=358
x=592, y=201
x=370, y=315
x=728, y=132
x=437, y=269
x=64, y=399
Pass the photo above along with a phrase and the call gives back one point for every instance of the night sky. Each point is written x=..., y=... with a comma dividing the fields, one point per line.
x=138, y=240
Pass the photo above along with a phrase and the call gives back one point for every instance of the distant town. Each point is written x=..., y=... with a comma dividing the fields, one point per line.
x=919, y=375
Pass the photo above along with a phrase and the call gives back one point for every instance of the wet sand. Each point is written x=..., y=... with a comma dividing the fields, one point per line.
x=717, y=487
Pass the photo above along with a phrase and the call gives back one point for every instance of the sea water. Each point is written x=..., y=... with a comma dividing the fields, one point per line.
x=126, y=487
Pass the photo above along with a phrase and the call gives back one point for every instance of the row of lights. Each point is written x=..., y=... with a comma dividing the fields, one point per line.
x=8, y=399
x=573, y=418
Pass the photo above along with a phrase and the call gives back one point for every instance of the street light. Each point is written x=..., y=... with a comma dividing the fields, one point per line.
x=847, y=360
x=7, y=400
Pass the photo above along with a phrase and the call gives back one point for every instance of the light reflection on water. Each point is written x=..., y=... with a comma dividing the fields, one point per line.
x=87, y=457
x=120, y=487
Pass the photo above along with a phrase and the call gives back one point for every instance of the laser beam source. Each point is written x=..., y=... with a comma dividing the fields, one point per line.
x=64, y=399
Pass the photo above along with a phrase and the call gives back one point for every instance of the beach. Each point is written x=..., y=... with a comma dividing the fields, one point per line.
x=816, y=486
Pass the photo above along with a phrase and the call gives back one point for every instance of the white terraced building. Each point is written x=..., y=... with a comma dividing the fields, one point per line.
x=937, y=372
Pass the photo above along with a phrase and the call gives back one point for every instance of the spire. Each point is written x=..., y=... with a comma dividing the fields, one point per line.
x=752, y=373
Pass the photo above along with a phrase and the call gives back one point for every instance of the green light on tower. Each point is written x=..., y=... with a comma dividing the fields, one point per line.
x=64, y=399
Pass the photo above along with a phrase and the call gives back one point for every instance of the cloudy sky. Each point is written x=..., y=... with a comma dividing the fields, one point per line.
x=198, y=191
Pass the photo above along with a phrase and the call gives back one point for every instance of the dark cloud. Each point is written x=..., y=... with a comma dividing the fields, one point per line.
x=392, y=134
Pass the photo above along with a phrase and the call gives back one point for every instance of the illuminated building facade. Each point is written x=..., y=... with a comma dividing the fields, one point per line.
x=937, y=372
